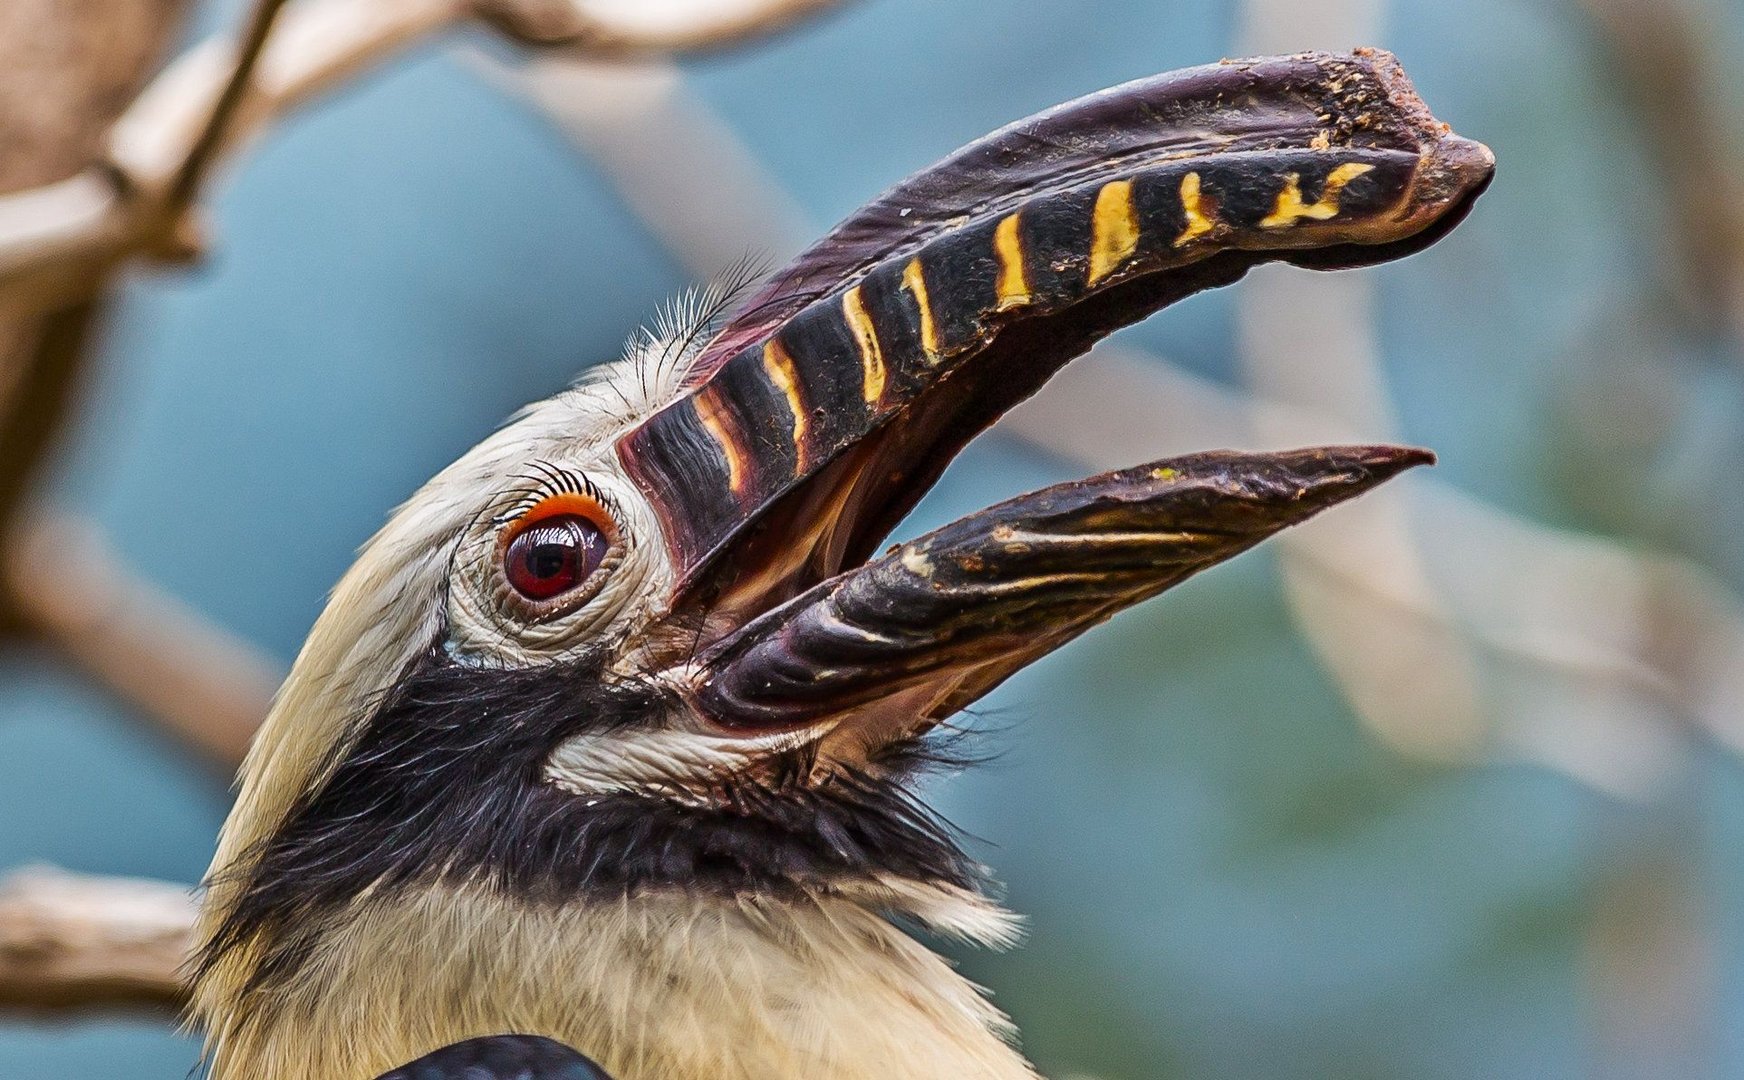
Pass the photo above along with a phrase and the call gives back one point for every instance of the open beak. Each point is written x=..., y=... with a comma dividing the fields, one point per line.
x=958, y=610
x=831, y=400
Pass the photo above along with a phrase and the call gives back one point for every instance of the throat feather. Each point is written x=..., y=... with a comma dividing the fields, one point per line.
x=671, y=986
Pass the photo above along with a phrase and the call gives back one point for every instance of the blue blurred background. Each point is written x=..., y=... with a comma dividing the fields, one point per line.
x=1239, y=859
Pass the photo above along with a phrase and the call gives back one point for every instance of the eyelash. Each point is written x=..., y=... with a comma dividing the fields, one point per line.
x=548, y=481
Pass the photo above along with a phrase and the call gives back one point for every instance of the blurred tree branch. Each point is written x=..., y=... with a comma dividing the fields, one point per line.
x=66, y=75
x=54, y=238
x=204, y=686
x=70, y=940
x=604, y=28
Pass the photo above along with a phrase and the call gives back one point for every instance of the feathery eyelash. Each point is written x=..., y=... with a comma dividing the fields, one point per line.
x=542, y=481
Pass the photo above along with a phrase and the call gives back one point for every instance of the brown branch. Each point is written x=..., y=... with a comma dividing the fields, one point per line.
x=185, y=184
x=218, y=95
x=168, y=141
x=44, y=381
x=201, y=684
x=55, y=240
x=628, y=29
x=72, y=941
x=153, y=652
x=64, y=81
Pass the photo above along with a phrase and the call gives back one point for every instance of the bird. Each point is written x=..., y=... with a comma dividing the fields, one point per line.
x=601, y=760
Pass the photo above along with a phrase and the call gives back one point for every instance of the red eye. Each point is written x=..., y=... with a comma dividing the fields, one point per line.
x=553, y=555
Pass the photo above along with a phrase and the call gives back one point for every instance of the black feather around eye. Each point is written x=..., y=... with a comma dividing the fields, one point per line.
x=445, y=785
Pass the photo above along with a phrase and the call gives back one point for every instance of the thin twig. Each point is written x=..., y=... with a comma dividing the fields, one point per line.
x=185, y=184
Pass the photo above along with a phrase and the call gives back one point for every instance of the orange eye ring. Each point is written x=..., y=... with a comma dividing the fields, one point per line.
x=565, y=504
x=551, y=555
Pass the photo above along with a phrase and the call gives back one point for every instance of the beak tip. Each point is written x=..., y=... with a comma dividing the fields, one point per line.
x=1330, y=475
x=1386, y=462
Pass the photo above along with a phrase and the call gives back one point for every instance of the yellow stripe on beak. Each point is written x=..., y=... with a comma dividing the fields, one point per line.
x=1013, y=284
x=1193, y=205
x=871, y=356
x=1291, y=208
x=779, y=367
x=1113, y=229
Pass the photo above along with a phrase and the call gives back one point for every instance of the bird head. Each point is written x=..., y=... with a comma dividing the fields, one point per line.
x=642, y=639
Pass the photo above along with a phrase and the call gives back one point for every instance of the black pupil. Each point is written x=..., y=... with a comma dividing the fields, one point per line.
x=550, y=559
x=554, y=556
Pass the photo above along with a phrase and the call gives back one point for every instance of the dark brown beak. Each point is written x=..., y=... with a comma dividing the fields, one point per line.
x=835, y=395
x=960, y=609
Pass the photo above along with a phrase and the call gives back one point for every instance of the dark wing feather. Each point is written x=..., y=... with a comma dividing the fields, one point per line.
x=501, y=1057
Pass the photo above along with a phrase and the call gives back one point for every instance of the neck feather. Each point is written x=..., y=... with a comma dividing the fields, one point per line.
x=661, y=986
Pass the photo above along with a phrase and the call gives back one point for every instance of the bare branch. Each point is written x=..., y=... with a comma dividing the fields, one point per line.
x=204, y=105
x=185, y=184
x=45, y=381
x=314, y=46
x=197, y=681
x=71, y=941
x=215, y=97
x=140, y=643
x=616, y=28
x=52, y=236
x=64, y=76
